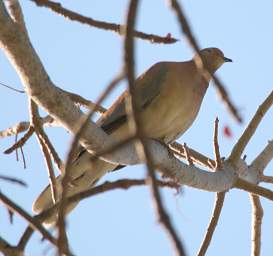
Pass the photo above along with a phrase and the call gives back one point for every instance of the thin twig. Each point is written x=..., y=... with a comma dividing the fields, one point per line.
x=43, y=138
x=51, y=150
x=20, y=142
x=10, y=213
x=25, y=238
x=267, y=179
x=254, y=189
x=136, y=124
x=216, y=145
x=51, y=176
x=219, y=199
x=73, y=16
x=23, y=157
x=188, y=156
x=86, y=103
x=185, y=27
x=21, y=127
x=45, y=145
x=16, y=151
x=105, y=187
x=36, y=225
x=13, y=180
x=257, y=217
x=218, y=205
x=11, y=88
x=250, y=130
x=197, y=157
x=67, y=166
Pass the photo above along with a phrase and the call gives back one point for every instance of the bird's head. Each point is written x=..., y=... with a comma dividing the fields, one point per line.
x=213, y=58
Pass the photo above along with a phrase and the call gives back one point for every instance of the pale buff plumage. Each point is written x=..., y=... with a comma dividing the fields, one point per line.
x=169, y=95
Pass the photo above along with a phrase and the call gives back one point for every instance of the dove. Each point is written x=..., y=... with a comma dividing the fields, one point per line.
x=169, y=97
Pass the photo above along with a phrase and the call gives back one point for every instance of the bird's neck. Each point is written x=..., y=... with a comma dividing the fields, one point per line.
x=203, y=80
x=203, y=85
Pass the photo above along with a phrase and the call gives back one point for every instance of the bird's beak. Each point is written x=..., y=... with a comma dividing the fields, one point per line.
x=227, y=59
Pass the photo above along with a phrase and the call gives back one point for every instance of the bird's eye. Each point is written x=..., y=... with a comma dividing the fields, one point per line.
x=209, y=50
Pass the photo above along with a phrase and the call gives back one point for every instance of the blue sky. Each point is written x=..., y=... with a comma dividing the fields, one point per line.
x=83, y=59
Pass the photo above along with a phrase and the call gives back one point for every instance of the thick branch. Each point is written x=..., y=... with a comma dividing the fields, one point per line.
x=262, y=160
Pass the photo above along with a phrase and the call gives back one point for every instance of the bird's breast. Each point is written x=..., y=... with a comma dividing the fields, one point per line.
x=173, y=110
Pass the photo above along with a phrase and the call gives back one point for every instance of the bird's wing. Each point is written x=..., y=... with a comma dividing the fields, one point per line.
x=148, y=87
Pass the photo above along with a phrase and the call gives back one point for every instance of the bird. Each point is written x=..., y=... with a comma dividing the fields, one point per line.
x=169, y=96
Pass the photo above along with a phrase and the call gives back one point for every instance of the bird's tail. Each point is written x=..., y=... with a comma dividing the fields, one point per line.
x=84, y=174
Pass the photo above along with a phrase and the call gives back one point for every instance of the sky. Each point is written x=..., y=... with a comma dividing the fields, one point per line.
x=83, y=60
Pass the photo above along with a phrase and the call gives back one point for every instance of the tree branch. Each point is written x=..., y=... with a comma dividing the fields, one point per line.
x=197, y=157
x=41, y=136
x=9, y=250
x=257, y=217
x=250, y=130
x=105, y=187
x=135, y=124
x=117, y=28
x=36, y=225
x=262, y=160
x=219, y=202
x=13, y=180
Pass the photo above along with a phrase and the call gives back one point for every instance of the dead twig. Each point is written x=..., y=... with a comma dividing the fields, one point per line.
x=197, y=157
x=216, y=145
x=23, y=157
x=13, y=180
x=117, y=28
x=187, y=153
x=11, y=88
